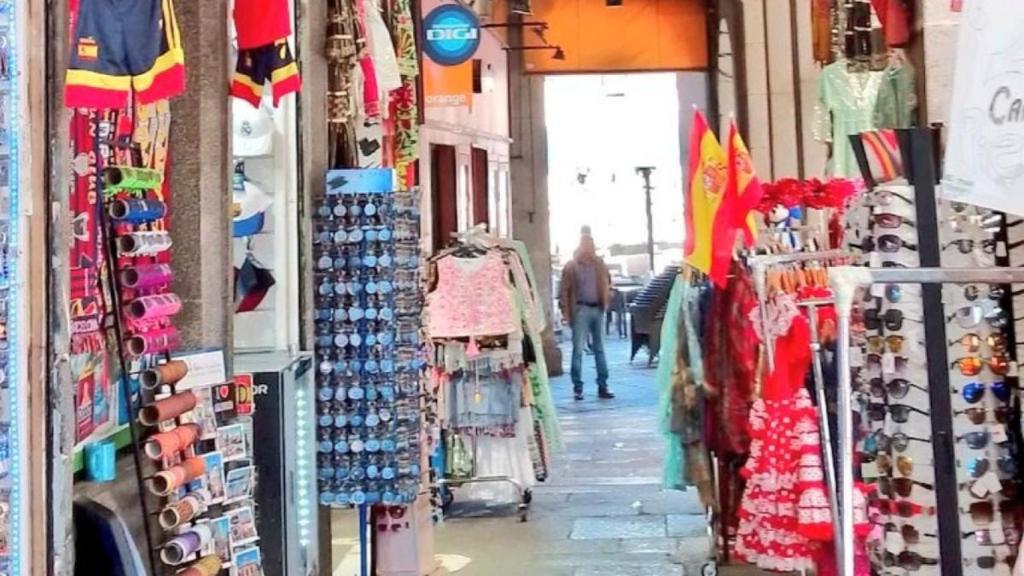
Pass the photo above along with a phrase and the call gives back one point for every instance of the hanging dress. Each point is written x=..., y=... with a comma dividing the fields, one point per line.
x=473, y=298
x=784, y=512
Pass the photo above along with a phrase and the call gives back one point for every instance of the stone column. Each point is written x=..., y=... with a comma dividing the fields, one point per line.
x=529, y=173
x=200, y=177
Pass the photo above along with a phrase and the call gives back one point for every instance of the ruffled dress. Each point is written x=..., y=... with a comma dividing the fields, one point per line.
x=784, y=513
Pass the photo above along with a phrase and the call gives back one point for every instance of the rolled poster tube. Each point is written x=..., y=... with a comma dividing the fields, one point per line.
x=164, y=374
x=206, y=566
x=156, y=306
x=166, y=481
x=164, y=444
x=155, y=342
x=166, y=409
x=143, y=243
x=177, y=549
x=130, y=178
x=137, y=210
x=147, y=276
x=182, y=511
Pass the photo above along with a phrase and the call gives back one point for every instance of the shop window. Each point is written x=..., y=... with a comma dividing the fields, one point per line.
x=481, y=187
x=443, y=193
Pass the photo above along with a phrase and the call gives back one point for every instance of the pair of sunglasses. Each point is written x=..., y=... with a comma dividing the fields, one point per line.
x=897, y=388
x=973, y=365
x=904, y=508
x=983, y=513
x=878, y=344
x=890, y=221
x=971, y=316
x=904, y=464
x=909, y=533
x=885, y=197
x=972, y=342
x=978, y=416
x=899, y=442
x=990, y=562
x=900, y=412
x=984, y=537
x=899, y=363
x=978, y=467
x=893, y=487
x=975, y=391
x=976, y=440
x=892, y=319
x=887, y=243
x=995, y=292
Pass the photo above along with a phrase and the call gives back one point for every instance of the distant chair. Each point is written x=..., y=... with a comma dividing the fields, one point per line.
x=616, y=313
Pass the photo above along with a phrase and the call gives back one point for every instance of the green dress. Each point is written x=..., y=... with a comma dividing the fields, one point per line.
x=853, y=102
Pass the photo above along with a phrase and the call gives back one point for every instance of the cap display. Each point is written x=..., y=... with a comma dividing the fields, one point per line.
x=253, y=132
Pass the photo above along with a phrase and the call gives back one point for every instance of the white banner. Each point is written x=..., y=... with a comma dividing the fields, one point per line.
x=985, y=151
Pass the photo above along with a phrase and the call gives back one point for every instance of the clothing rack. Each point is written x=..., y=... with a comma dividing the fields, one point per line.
x=759, y=264
x=845, y=280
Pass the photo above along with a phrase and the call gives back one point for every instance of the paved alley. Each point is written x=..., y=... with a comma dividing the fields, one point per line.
x=603, y=512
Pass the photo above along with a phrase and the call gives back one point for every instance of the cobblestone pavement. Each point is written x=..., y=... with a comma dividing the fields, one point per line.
x=603, y=512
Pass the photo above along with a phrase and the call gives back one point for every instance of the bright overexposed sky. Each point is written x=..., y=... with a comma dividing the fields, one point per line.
x=604, y=127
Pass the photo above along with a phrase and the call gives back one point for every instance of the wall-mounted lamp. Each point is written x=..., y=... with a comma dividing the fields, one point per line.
x=558, y=55
x=521, y=7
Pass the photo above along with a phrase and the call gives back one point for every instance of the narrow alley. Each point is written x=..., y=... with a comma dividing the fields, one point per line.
x=603, y=512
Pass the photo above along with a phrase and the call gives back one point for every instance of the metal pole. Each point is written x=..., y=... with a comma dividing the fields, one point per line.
x=364, y=545
x=826, y=433
x=645, y=171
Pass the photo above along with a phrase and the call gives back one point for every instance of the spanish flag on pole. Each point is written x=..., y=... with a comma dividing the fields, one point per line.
x=708, y=175
x=743, y=184
x=742, y=193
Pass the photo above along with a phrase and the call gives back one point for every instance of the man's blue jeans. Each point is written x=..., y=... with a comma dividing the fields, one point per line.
x=588, y=320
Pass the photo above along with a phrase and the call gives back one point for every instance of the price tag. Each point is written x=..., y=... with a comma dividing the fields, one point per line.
x=875, y=260
x=997, y=432
x=956, y=5
x=888, y=363
x=869, y=470
x=979, y=489
x=878, y=290
x=856, y=357
x=1001, y=250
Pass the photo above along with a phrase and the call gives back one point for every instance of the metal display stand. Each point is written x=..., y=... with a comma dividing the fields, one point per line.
x=845, y=281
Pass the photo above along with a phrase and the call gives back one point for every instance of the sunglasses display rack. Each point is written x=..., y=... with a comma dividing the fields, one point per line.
x=367, y=294
x=931, y=363
x=11, y=298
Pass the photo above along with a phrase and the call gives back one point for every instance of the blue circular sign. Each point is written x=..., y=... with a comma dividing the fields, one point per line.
x=452, y=34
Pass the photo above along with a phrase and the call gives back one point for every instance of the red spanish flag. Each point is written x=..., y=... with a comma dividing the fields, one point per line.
x=743, y=183
x=742, y=193
x=708, y=175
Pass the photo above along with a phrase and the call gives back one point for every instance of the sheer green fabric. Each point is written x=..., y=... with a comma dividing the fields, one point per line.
x=674, y=467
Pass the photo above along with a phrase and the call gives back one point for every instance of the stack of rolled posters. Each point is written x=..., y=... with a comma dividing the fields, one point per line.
x=163, y=375
x=146, y=276
x=143, y=243
x=153, y=307
x=164, y=444
x=131, y=178
x=182, y=511
x=167, y=408
x=177, y=549
x=165, y=482
x=137, y=210
x=154, y=342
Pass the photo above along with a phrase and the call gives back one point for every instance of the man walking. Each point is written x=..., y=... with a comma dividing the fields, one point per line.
x=584, y=298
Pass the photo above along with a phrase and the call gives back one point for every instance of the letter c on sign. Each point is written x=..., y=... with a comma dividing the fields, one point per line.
x=997, y=119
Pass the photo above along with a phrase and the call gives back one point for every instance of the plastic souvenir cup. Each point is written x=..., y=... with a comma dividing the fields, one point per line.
x=101, y=461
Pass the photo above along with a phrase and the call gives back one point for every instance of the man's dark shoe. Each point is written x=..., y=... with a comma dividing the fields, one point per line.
x=605, y=395
x=577, y=395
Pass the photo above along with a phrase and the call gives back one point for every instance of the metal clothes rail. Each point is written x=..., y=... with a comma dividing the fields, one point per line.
x=845, y=280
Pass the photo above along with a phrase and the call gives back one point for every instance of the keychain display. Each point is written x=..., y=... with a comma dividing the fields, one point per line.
x=368, y=308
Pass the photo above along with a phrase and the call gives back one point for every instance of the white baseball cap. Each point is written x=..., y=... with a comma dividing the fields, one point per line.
x=253, y=133
x=250, y=206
